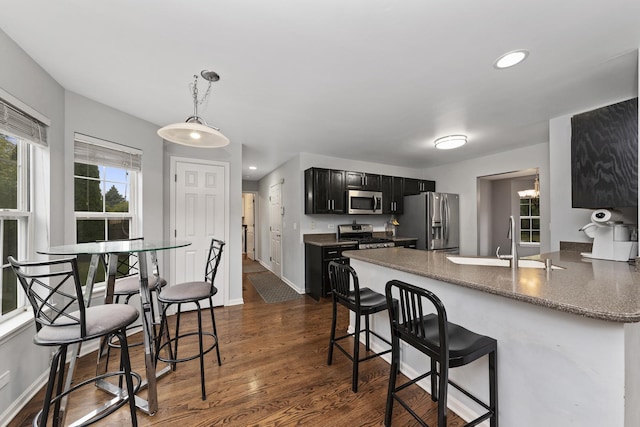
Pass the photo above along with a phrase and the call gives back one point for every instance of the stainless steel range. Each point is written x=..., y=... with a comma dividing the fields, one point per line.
x=363, y=235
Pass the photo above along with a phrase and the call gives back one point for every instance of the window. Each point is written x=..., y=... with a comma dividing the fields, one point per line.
x=530, y=220
x=18, y=133
x=106, y=198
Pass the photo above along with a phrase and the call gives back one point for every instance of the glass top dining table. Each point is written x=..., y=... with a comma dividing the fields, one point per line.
x=114, y=247
x=102, y=250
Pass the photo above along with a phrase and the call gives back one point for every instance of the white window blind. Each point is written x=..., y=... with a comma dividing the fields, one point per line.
x=21, y=125
x=96, y=151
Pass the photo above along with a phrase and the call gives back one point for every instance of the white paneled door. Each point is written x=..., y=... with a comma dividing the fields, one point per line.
x=275, y=228
x=199, y=216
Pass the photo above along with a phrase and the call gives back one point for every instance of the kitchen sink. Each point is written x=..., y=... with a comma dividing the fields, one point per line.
x=495, y=262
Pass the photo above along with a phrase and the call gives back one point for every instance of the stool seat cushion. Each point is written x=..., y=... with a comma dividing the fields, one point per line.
x=100, y=320
x=464, y=345
x=368, y=299
x=187, y=292
x=131, y=284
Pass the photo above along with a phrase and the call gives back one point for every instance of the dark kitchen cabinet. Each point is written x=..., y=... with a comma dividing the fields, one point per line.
x=325, y=191
x=411, y=244
x=416, y=186
x=392, y=194
x=362, y=181
x=317, y=260
x=604, y=157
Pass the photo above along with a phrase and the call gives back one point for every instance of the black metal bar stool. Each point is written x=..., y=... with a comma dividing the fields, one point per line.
x=127, y=284
x=54, y=291
x=191, y=292
x=447, y=345
x=363, y=302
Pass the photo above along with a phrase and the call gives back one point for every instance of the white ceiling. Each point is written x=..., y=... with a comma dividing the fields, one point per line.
x=373, y=80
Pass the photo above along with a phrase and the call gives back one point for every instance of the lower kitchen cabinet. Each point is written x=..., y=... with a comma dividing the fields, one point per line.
x=317, y=260
x=411, y=244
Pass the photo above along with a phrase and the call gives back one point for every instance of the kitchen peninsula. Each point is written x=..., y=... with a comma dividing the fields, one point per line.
x=568, y=339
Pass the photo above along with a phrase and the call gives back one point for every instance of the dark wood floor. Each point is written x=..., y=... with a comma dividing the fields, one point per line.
x=274, y=372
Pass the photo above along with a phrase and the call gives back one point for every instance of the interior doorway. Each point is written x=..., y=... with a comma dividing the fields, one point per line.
x=249, y=225
x=199, y=212
x=498, y=199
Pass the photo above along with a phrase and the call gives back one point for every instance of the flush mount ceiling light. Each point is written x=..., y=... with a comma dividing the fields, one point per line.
x=195, y=131
x=510, y=59
x=450, y=141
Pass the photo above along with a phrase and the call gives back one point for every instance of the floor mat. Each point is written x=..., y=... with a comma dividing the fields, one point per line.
x=249, y=266
x=271, y=288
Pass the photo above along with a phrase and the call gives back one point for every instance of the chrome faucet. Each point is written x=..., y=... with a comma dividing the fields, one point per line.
x=511, y=234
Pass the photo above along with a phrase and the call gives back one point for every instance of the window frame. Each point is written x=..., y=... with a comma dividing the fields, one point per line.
x=134, y=171
x=23, y=215
x=529, y=217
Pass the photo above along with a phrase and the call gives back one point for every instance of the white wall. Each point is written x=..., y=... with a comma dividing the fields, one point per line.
x=91, y=118
x=461, y=178
x=25, y=80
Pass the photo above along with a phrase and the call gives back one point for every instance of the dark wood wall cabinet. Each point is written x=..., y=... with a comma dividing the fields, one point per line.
x=392, y=194
x=416, y=186
x=362, y=181
x=317, y=260
x=604, y=157
x=325, y=189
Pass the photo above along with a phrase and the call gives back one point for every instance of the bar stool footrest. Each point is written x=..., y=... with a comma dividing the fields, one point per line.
x=123, y=398
x=185, y=359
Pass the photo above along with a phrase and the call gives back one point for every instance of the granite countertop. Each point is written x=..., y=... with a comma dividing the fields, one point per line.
x=330, y=239
x=606, y=290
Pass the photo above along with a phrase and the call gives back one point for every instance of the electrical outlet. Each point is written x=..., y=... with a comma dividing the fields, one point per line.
x=330, y=226
x=5, y=378
x=313, y=225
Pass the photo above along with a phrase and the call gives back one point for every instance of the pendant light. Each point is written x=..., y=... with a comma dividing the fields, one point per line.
x=531, y=193
x=195, y=131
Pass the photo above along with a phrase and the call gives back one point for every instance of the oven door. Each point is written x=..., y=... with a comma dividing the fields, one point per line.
x=364, y=202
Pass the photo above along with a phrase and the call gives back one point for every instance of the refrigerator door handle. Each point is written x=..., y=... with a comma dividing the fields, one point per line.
x=446, y=219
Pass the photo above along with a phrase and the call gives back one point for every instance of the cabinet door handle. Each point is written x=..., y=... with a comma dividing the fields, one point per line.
x=332, y=252
x=329, y=204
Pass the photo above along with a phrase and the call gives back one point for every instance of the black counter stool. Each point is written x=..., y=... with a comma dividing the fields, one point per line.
x=363, y=302
x=446, y=344
x=191, y=292
x=53, y=289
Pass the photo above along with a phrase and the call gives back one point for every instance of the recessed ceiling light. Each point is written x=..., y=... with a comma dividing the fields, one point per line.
x=450, y=141
x=253, y=168
x=510, y=59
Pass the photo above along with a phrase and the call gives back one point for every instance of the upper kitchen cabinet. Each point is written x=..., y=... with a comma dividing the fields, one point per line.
x=362, y=181
x=325, y=191
x=604, y=157
x=416, y=186
x=392, y=194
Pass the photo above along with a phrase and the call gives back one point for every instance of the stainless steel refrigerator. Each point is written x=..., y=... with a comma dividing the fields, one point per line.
x=434, y=218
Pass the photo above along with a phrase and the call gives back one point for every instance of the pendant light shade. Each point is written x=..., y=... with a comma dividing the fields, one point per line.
x=193, y=134
x=195, y=131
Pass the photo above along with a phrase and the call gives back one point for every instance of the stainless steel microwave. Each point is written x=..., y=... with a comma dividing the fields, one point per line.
x=364, y=202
